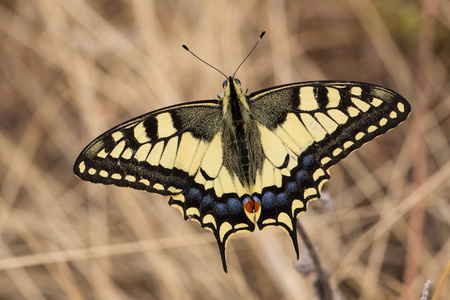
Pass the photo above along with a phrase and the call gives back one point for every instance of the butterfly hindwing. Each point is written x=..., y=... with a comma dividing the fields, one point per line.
x=319, y=123
x=214, y=198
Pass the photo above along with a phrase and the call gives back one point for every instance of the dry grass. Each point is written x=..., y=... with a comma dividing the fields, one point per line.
x=72, y=69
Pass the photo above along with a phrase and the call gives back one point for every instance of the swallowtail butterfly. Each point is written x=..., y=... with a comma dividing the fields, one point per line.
x=244, y=160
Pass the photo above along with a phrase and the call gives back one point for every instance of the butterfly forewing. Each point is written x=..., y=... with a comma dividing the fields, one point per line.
x=159, y=152
x=319, y=123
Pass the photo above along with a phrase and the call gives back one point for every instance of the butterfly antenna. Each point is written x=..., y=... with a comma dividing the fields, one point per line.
x=187, y=49
x=257, y=42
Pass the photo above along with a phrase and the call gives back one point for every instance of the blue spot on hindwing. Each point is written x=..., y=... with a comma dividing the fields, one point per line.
x=268, y=200
x=207, y=201
x=281, y=199
x=301, y=177
x=221, y=209
x=194, y=194
x=234, y=206
x=291, y=187
x=308, y=161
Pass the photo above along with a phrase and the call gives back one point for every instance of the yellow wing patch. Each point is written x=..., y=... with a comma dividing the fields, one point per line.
x=213, y=159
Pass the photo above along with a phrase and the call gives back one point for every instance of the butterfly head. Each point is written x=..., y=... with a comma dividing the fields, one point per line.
x=232, y=88
x=232, y=92
x=231, y=80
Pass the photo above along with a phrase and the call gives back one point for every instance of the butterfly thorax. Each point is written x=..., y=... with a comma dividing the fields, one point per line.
x=241, y=134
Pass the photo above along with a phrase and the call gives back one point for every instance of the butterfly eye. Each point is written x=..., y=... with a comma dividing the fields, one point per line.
x=224, y=84
x=238, y=81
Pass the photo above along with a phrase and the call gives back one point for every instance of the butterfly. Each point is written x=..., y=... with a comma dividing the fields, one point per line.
x=244, y=160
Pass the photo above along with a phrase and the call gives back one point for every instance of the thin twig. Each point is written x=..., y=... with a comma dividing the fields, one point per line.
x=426, y=291
x=322, y=283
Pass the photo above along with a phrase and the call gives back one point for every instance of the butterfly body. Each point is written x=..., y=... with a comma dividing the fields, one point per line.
x=244, y=160
x=240, y=132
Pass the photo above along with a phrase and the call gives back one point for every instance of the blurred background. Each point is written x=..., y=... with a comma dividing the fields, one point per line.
x=70, y=70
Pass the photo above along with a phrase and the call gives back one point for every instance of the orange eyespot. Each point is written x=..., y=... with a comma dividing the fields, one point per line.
x=251, y=205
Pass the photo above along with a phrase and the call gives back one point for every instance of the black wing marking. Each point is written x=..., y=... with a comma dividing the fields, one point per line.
x=159, y=152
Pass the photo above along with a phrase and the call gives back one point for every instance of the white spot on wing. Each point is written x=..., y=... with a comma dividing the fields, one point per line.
x=348, y=144
x=115, y=153
x=187, y=148
x=359, y=136
x=200, y=179
x=337, y=151
x=334, y=98
x=127, y=154
x=130, y=178
x=269, y=221
x=314, y=128
x=209, y=219
x=383, y=121
x=297, y=131
x=240, y=226
x=145, y=181
x=116, y=176
x=352, y=111
x=174, y=190
x=328, y=124
x=338, y=116
x=224, y=229
x=356, y=90
x=102, y=154
x=142, y=152
x=393, y=115
x=363, y=106
x=325, y=160
x=307, y=99
x=170, y=153
x=192, y=211
x=117, y=136
x=158, y=186
x=296, y=204
x=318, y=173
x=155, y=155
x=82, y=167
x=285, y=219
x=165, y=125
x=199, y=154
x=287, y=140
x=140, y=133
x=309, y=193
x=376, y=102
